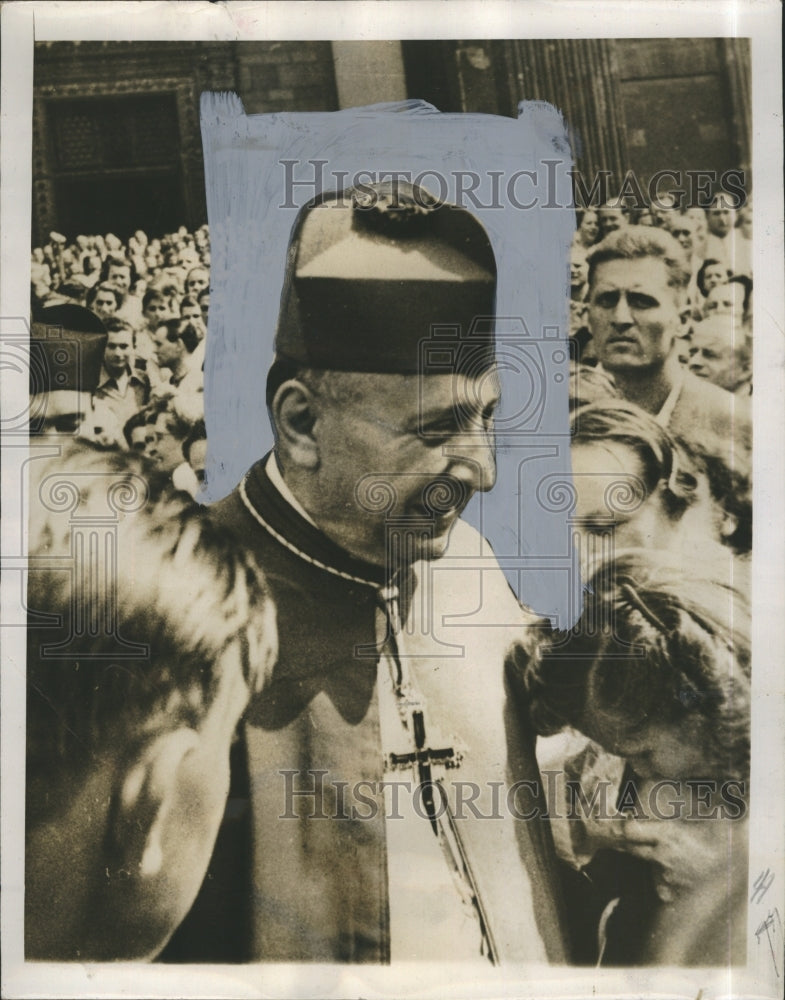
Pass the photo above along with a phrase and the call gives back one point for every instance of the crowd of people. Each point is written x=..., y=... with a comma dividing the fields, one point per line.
x=152, y=297
x=716, y=334
x=661, y=328
x=651, y=686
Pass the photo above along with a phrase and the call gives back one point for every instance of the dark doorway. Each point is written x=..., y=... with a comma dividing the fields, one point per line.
x=116, y=164
x=120, y=204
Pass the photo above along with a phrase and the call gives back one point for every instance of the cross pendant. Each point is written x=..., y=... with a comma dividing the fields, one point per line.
x=423, y=758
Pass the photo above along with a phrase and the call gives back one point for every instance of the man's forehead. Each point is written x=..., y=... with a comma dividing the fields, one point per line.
x=635, y=272
x=460, y=389
x=717, y=335
x=402, y=398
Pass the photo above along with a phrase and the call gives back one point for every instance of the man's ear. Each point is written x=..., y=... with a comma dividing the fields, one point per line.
x=294, y=415
x=144, y=799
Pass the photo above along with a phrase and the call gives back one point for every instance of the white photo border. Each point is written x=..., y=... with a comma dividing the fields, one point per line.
x=759, y=20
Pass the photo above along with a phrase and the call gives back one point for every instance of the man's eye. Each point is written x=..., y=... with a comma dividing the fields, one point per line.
x=606, y=300
x=438, y=433
x=599, y=527
x=637, y=300
x=489, y=414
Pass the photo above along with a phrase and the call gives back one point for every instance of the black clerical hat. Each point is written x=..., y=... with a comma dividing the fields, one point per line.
x=67, y=345
x=380, y=276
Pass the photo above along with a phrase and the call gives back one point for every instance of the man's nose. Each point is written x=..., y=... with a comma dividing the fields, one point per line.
x=622, y=316
x=473, y=458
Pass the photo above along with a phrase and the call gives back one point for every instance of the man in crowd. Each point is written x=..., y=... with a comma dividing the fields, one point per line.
x=197, y=280
x=375, y=460
x=637, y=283
x=720, y=241
x=611, y=216
x=119, y=270
x=166, y=430
x=105, y=299
x=662, y=208
x=175, y=342
x=123, y=387
x=682, y=228
x=719, y=352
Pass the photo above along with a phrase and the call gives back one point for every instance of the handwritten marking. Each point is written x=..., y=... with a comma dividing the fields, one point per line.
x=761, y=885
x=772, y=922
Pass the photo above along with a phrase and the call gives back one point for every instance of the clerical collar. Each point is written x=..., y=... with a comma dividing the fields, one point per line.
x=274, y=475
x=284, y=519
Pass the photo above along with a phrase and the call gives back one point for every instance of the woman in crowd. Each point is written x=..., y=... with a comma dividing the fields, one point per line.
x=588, y=230
x=635, y=486
x=660, y=681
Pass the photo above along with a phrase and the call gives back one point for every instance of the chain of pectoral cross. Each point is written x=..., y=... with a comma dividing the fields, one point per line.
x=423, y=757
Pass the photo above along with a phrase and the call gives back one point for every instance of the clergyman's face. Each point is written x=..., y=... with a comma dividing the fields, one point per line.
x=404, y=450
x=634, y=314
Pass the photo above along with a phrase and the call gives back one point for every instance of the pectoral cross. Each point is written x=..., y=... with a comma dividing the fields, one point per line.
x=423, y=758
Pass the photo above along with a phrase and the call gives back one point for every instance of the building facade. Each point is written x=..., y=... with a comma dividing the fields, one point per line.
x=117, y=144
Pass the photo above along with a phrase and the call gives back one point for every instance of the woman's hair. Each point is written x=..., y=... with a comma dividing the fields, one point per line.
x=730, y=486
x=662, y=460
x=655, y=646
